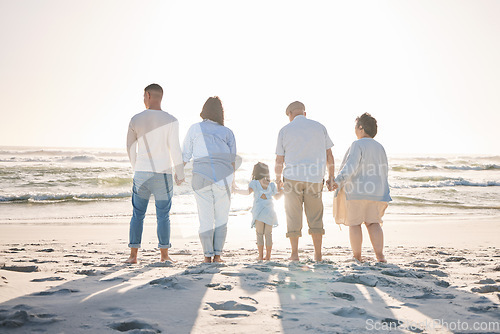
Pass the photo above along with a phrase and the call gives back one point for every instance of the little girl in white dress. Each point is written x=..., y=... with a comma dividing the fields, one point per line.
x=263, y=215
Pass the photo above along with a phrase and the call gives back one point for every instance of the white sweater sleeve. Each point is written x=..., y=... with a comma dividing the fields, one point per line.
x=175, y=150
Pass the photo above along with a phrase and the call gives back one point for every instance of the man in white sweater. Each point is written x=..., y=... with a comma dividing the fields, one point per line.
x=154, y=152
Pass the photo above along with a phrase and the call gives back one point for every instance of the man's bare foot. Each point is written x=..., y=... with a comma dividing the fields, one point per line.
x=207, y=260
x=260, y=258
x=133, y=255
x=164, y=255
x=168, y=258
x=318, y=258
x=218, y=259
x=381, y=259
x=294, y=258
x=359, y=259
x=267, y=258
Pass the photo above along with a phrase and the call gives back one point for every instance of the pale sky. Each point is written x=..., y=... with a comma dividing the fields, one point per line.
x=72, y=73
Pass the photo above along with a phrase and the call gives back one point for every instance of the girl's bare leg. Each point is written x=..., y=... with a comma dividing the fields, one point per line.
x=268, y=253
x=261, y=253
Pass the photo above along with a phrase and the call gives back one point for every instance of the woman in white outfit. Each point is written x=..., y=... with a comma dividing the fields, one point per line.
x=212, y=147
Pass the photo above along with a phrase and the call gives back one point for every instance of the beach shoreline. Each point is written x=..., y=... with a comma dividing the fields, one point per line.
x=440, y=267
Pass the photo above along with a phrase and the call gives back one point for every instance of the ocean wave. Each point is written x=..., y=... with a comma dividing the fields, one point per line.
x=419, y=167
x=475, y=167
x=33, y=197
x=447, y=183
x=405, y=169
x=62, y=152
x=431, y=178
x=79, y=158
x=115, y=181
x=68, y=158
x=55, y=198
x=420, y=202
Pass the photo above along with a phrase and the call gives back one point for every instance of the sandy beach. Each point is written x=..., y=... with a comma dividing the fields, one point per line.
x=443, y=276
x=395, y=100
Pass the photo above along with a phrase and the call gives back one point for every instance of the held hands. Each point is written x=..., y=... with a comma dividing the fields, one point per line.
x=331, y=184
x=279, y=183
x=177, y=181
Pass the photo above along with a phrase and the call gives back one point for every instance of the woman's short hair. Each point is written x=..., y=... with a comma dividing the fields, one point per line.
x=260, y=171
x=368, y=123
x=212, y=110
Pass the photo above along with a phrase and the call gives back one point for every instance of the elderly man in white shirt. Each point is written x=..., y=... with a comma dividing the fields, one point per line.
x=154, y=151
x=304, y=149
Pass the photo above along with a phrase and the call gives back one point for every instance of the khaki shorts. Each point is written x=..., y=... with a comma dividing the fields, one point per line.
x=357, y=212
x=303, y=196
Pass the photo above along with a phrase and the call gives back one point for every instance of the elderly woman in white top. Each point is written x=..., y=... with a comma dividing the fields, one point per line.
x=213, y=149
x=363, y=188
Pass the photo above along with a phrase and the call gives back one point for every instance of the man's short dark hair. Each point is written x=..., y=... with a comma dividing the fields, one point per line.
x=368, y=123
x=154, y=88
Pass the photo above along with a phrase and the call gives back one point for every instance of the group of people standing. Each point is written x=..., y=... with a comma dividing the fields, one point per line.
x=303, y=154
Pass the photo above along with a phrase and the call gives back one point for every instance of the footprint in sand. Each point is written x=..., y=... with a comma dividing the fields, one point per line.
x=455, y=259
x=170, y=283
x=342, y=295
x=220, y=287
x=15, y=250
x=352, y=312
x=233, y=315
x=22, y=269
x=250, y=298
x=490, y=309
x=486, y=289
x=56, y=292
x=132, y=325
x=46, y=250
x=486, y=281
x=262, y=268
x=87, y=272
x=402, y=273
x=231, y=305
x=438, y=273
x=21, y=315
x=48, y=279
x=198, y=270
x=429, y=294
x=116, y=312
x=368, y=280
x=442, y=283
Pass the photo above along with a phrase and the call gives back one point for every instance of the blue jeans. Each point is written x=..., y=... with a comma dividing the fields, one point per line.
x=213, y=203
x=161, y=186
